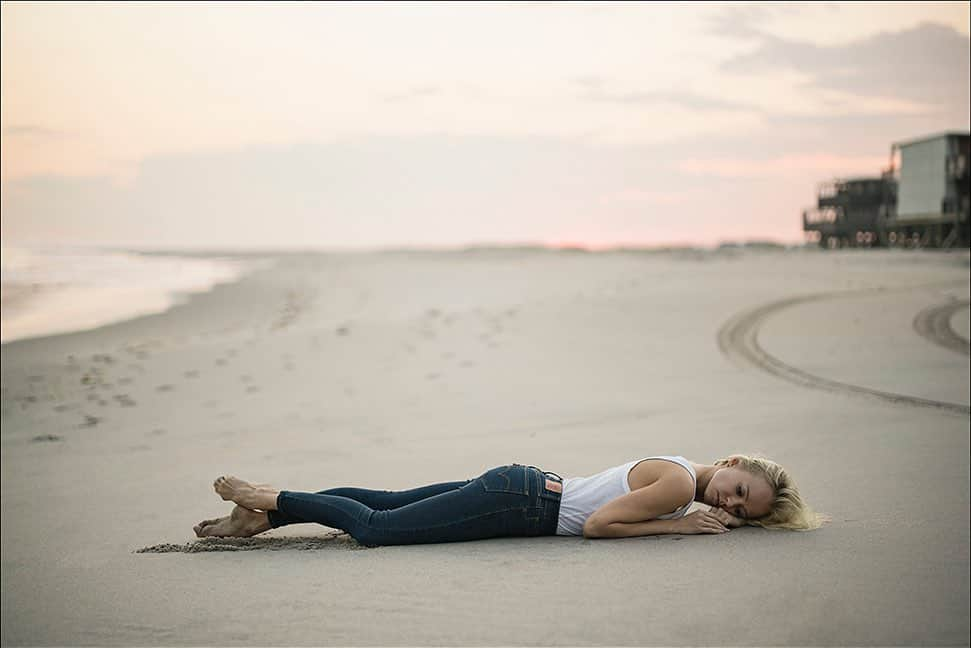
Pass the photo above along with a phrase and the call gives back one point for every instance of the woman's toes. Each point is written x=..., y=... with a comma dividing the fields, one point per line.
x=202, y=525
x=220, y=528
x=222, y=487
x=199, y=528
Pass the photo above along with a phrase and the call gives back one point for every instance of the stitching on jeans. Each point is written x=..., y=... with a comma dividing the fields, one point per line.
x=507, y=487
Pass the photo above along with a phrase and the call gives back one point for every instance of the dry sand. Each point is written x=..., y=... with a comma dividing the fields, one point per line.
x=398, y=369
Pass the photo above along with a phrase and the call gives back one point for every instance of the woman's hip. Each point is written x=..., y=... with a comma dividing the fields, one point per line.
x=538, y=492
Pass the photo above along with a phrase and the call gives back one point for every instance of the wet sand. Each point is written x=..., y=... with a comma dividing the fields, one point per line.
x=398, y=369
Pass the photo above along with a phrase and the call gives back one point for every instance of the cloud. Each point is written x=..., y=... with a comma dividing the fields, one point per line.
x=33, y=130
x=416, y=92
x=743, y=21
x=928, y=64
x=371, y=191
x=819, y=164
x=594, y=89
x=635, y=197
x=687, y=100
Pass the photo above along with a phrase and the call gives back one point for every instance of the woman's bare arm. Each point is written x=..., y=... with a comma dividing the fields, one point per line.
x=693, y=523
x=669, y=492
x=630, y=529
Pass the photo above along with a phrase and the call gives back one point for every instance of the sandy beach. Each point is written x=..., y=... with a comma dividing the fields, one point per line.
x=396, y=369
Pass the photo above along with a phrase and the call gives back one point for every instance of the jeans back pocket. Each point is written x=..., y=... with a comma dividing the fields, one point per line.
x=506, y=479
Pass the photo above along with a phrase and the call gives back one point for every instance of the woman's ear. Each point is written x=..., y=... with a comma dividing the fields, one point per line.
x=733, y=461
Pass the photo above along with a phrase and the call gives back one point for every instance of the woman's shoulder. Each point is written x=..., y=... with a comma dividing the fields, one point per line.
x=679, y=474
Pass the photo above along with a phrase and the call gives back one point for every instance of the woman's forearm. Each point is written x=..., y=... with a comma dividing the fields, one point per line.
x=630, y=529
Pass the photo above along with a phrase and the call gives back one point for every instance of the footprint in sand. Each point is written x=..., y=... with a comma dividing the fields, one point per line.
x=89, y=421
x=124, y=381
x=124, y=400
x=41, y=438
x=165, y=388
x=66, y=407
x=192, y=373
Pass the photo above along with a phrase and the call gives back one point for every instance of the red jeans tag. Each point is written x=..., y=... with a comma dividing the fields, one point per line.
x=554, y=486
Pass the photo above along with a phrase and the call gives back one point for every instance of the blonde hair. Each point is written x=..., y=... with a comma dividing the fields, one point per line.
x=788, y=510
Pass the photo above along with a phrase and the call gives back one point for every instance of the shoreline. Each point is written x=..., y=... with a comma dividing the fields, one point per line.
x=54, y=291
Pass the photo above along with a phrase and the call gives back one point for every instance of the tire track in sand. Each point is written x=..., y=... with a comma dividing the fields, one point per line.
x=738, y=339
x=934, y=323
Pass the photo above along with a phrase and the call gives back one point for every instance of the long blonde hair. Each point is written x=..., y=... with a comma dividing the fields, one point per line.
x=788, y=510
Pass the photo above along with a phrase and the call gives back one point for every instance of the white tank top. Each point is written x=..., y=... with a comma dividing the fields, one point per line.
x=584, y=495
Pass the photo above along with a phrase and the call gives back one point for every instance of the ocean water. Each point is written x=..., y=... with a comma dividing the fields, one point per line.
x=49, y=290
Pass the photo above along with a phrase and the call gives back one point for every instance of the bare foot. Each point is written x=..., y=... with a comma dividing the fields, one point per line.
x=202, y=525
x=245, y=494
x=241, y=523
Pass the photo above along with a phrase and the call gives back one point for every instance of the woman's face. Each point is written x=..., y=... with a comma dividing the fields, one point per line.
x=739, y=492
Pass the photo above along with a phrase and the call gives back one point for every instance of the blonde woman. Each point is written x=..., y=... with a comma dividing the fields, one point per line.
x=649, y=496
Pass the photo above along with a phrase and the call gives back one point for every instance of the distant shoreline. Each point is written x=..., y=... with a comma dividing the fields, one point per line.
x=51, y=291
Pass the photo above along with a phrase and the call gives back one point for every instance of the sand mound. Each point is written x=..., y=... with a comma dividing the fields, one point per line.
x=331, y=541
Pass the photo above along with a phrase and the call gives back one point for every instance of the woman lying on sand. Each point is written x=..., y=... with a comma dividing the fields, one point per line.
x=645, y=497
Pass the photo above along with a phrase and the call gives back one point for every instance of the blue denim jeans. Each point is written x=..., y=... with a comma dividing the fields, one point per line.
x=512, y=500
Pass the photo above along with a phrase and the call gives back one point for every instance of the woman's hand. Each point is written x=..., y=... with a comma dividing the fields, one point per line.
x=700, y=522
x=726, y=518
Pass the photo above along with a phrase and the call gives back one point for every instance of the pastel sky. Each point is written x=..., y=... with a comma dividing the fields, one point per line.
x=371, y=124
